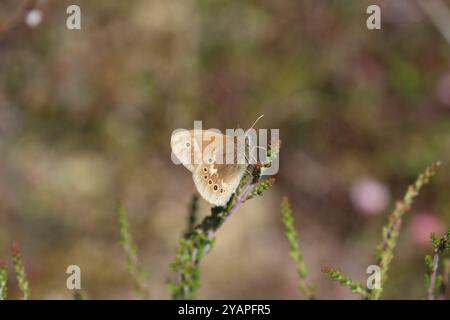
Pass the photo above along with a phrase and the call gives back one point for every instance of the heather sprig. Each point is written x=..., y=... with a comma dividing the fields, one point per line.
x=200, y=240
x=192, y=216
x=20, y=271
x=261, y=187
x=186, y=264
x=296, y=254
x=3, y=281
x=433, y=281
x=131, y=253
x=390, y=233
x=355, y=287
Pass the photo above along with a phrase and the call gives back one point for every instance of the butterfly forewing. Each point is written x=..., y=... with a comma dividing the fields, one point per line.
x=186, y=145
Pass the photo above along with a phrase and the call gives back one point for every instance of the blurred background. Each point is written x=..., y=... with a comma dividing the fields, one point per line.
x=86, y=115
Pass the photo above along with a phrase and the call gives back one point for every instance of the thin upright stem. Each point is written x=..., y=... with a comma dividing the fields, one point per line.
x=433, y=275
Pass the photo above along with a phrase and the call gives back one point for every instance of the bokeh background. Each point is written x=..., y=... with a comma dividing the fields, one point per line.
x=87, y=115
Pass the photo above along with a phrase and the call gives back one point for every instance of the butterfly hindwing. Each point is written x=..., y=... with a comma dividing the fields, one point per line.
x=217, y=182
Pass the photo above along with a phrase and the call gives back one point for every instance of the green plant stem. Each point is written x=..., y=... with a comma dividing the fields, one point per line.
x=345, y=281
x=385, y=250
x=20, y=272
x=3, y=281
x=192, y=217
x=439, y=247
x=131, y=253
x=433, y=276
x=294, y=250
x=197, y=243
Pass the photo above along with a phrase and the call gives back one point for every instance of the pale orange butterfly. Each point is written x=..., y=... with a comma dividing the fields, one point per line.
x=207, y=155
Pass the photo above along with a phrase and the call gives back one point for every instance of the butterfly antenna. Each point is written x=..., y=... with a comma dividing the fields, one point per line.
x=259, y=147
x=256, y=121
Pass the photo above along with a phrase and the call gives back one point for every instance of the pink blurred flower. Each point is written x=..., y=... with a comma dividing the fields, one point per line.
x=33, y=18
x=369, y=195
x=422, y=225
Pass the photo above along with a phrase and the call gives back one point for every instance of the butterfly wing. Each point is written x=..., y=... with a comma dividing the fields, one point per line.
x=217, y=182
x=223, y=167
x=186, y=146
x=217, y=162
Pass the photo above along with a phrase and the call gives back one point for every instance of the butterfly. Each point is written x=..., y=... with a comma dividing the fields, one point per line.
x=217, y=161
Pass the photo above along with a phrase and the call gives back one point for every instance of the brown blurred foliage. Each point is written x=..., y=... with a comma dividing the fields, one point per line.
x=86, y=115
